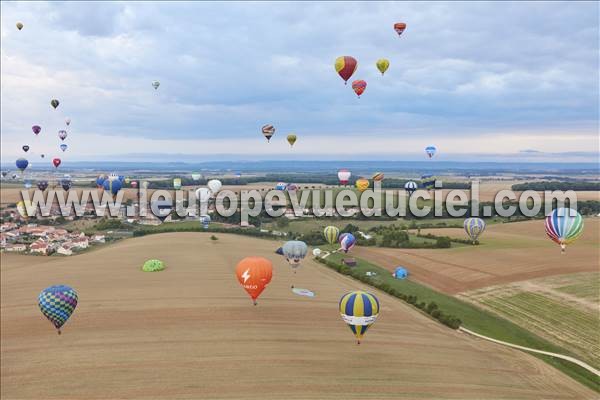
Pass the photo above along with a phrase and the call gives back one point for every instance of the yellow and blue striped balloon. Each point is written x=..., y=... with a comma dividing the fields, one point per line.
x=331, y=234
x=359, y=310
x=474, y=227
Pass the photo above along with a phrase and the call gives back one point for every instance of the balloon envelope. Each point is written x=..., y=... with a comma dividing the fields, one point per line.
x=56, y=162
x=294, y=252
x=196, y=176
x=205, y=221
x=474, y=227
x=63, y=147
x=113, y=185
x=254, y=274
x=214, y=185
x=62, y=134
x=382, y=65
x=156, y=84
x=331, y=234
x=430, y=150
x=42, y=185
x=344, y=176
x=36, y=129
x=177, y=183
x=268, y=131
x=291, y=138
x=362, y=184
x=54, y=103
x=359, y=310
x=359, y=87
x=25, y=148
x=68, y=121
x=399, y=27
x=345, y=67
x=57, y=303
x=347, y=242
x=410, y=187
x=21, y=164
x=19, y=25
x=564, y=226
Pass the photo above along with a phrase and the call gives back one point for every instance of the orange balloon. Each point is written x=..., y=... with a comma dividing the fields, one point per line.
x=254, y=274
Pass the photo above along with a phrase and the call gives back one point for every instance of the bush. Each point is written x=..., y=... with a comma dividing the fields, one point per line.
x=213, y=237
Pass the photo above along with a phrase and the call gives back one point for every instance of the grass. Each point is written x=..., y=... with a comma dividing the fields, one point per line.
x=479, y=320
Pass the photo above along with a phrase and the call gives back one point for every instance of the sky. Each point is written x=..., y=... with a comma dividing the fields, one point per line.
x=479, y=80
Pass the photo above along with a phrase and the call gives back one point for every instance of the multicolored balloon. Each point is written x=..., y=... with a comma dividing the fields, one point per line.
x=63, y=147
x=344, y=176
x=291, y=138
x=281, y=186
x=36, y=129
x=410, y=187
x=331, y=234
x=474, y=228
x=42, y=185
x=66, y=183
x=399, y=27
x=54, y=103
x=359, y=87
x=205, y=221
x=362, y=184
x=268, y=131
x=430, y=150
x=345, y=67
x=564, y=226
x=347, y=242
x=62, y=134
x=57, y=303
x=177, y=183
x=294, y=252
x=378, y=177
x=254, y=274
x=359, y=310
x=382, y=65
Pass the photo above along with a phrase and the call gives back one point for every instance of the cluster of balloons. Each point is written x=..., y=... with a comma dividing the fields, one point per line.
x=269, y=130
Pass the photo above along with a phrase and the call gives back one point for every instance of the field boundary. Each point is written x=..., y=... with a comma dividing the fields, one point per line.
x=546, y=353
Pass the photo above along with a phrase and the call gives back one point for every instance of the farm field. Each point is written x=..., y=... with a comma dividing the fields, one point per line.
x=562, y=309
x=508, y=253
x=191, y=332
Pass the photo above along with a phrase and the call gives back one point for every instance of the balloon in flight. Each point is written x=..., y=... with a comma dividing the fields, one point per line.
x=62, y=134
x=378, y=176
x=347, y=242
x=56, y=162
x=294, y=252
x=254, y=274
x=57, y=303
x=382, y=65
x=36, y=129
x=66, y=183
x=430, y=150
x=410, y=187
x=281, y=186
x=362, y=184
x=474, y=228
x=21, y=164
x=22, y=207
x=316, y=252
x=205, y=221
x=196, y=176
x=345, y=67
x=112, y=185
x=54, y=103
x=359, y=87
x=63, y=147
x=19, y=25
x=177, y=183
x=100, y=181
x=359, y=310
x=331, y=234
x=399, y=27
x=25, y=148
x=156, y=84
x=564, y=226
x=291, y=138
x=214, y=185
x=42, y=185
x=268, y=131
x=344, y=176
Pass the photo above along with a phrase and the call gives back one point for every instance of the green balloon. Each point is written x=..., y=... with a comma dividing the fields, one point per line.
x=153, y=265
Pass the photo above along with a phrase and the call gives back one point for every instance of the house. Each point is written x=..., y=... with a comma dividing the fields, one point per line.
x=80, y=242
x=351, y=262
x=65, y=250
x=99, y=238
x=15, y=247
x=8, y=226
x=39, y=247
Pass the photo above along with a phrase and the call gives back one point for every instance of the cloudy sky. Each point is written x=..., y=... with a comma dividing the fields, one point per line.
x=487, y=81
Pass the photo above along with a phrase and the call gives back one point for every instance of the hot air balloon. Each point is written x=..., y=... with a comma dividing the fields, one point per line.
x=344, y=176
x=54, y=103
x=331, y=234
x=42, y=155
x=57, y=303
x=430, y=150
x=25, y=148
x=316, y=252
x=378, y=177
x=42, y=185
x=145, y=184
x=294, y=252
x=345, y=67
x=62, y=134
x=27, y=184
x=196, y=176
x=21, y=164
x=127, y=180
x=359, y=87
x=359, y=310
x=291, y=138
x=279, y=251
x=214, y=185
x=68, y=121
x=63, y=147
x=112, y=185
x=56, y=162
x=474, y=227
x=205, y=221
x=100, y=181
x=134, y=184
x=399, y=27
x=268, y=131
x=156, y=84
x=362, y=184
x=177, y=183
x=153, y=265
x=22, y=207
x=113, y=176
x=254, y=274
x=410, y=187
x=4, y=173
x=563, y=226
x=121, y=178
x=347, y=242
x=19, y=25
x=291, y=187
x=36, y=129
x=14, y=176
x=281, y=186
x=382, y=65
x=66, y=183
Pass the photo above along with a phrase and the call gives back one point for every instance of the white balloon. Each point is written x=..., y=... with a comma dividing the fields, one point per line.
x=214, y=185
x=203, y=194
x=316, y=252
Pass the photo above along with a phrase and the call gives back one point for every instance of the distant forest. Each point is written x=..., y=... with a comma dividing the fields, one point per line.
x=554, y=185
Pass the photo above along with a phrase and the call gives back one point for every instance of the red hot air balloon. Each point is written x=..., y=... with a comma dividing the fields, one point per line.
x=345, y=67
x=399, y=27
x=359, y=87
x=56, y=162
x=254, y=274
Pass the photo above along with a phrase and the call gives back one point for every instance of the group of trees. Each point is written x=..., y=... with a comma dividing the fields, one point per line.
x=557, y=185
